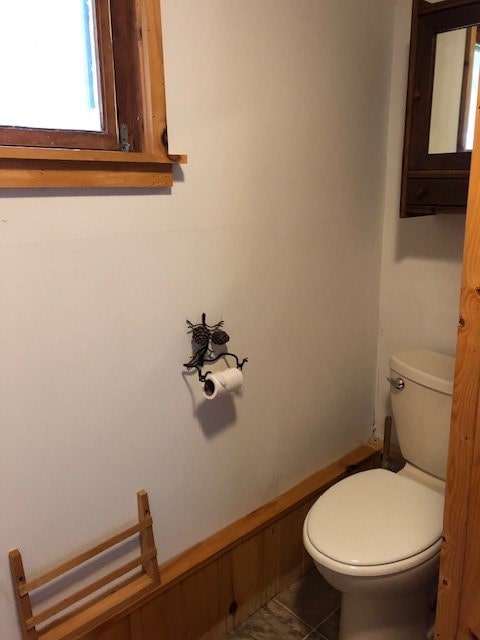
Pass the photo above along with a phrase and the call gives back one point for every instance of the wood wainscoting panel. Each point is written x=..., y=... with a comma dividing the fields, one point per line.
x=252, y=573
x=290, y=546
x=165, y=615
x=208, y=590
x=119, y=630
x=204, y=603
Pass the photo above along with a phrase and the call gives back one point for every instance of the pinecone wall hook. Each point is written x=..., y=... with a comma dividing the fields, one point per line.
x=204, y=337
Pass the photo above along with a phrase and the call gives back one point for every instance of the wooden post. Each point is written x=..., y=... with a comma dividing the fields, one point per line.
x=147, y=541
x=24, y=606
x=458, y=615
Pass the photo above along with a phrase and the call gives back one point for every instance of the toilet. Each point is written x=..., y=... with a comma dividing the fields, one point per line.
x=376, y=536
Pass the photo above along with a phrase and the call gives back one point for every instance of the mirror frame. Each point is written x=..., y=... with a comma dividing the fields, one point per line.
x=431, y=183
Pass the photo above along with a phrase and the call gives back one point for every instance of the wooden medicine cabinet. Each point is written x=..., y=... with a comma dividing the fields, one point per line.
x=441, y=106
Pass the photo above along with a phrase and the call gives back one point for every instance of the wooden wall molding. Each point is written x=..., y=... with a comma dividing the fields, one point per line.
x=215, y=585
x=459, y=586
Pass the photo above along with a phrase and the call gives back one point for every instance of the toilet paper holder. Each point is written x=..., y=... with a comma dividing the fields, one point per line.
x=205, y=338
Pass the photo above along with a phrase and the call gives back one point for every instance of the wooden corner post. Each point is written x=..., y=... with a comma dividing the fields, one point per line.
x=459, y=586
x=24, y=606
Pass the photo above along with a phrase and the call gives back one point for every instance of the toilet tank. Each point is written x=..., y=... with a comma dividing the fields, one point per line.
x=421, y=410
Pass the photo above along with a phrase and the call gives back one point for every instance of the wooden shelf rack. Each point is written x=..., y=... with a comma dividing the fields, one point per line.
x=84, y=615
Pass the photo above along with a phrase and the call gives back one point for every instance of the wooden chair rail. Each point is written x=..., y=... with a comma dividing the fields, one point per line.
x=88, y=614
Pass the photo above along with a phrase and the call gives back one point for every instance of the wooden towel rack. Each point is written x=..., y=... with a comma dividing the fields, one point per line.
x=84, y=617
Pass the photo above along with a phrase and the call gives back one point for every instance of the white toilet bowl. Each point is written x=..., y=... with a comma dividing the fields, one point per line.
x=376, y=537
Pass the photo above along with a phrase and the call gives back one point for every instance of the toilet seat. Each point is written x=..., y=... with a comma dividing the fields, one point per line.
x=370, y=571
x=396, y=522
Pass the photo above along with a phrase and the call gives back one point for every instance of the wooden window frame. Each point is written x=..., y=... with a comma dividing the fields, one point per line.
x=472, y=39
x=136, y=39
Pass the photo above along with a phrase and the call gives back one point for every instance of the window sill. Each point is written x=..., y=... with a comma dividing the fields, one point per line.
x=29, y=167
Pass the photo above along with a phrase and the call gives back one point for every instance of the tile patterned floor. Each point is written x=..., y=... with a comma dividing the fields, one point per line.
x=307, y=610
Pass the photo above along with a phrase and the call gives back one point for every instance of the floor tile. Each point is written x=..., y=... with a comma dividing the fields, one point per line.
x=272, y=622
x=315, y=636
x=311, y=598
x=329, y=627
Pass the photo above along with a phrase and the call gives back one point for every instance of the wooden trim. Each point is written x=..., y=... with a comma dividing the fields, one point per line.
x=19, y=137
x=459, y=592
x=127, y=38
x=82, y=155
x=435, y=173
x=61, y=173
x=218, y=583
x=156, y=136
x=435, y=7
x=22, y=600
x=106, y=72
x=147, y=542
x=412, y=60
x=467, y=77
x=430, y=210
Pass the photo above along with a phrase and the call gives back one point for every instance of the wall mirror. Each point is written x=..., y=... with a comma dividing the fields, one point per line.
x=442, y=92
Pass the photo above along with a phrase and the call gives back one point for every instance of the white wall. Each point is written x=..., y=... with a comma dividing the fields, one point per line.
x=274, y=226
x=421, y=257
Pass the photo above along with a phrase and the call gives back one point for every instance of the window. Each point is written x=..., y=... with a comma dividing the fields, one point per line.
x=83, y=100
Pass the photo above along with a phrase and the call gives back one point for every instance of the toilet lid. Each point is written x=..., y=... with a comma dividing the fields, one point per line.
x=375, y=517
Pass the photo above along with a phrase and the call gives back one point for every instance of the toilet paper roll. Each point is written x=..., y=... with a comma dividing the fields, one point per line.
x=221, y=382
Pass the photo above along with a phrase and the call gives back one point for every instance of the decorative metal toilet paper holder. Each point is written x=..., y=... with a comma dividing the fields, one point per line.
x=204, y=336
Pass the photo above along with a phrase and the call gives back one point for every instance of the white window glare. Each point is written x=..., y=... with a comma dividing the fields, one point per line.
x=48, y=65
